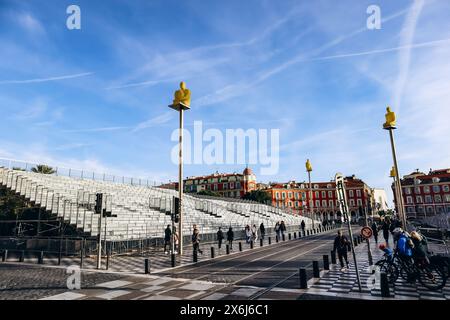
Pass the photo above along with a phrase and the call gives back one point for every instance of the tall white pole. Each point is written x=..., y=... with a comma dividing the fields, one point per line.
x=397, y=178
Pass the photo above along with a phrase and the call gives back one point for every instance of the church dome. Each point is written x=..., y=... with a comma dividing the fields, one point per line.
x=247, y=171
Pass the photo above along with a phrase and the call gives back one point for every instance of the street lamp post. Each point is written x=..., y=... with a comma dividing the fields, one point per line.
x=181, y=102
x=390, y=125
x=311, y=210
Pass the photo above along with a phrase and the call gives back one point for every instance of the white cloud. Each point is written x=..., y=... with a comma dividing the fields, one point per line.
x=29, y=23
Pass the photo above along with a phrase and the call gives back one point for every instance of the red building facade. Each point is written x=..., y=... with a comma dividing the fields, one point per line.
x=232, y=185
x=294, y=197
x=426, y=194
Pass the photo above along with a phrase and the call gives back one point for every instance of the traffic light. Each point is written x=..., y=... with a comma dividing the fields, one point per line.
x=176, y=210
x=98, y=203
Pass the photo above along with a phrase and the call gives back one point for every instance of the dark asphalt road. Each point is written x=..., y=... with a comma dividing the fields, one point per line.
x=263, y=267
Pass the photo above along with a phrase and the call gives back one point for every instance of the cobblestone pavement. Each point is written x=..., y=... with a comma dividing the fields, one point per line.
x=34, y=282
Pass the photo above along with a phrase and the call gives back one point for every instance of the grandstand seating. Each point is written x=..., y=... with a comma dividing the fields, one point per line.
x=142, y=211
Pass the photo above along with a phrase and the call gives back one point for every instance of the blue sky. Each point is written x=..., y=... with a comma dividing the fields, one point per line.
x=97, y=98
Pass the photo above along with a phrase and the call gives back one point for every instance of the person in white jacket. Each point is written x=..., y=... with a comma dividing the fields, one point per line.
x=254, y=233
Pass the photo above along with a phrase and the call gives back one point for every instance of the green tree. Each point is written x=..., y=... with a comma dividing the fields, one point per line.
x=18, y=169
x=258, y=196
x=42, y=168
x=208, y=193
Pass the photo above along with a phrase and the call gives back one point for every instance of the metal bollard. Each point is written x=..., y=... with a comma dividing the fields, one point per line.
x=384, y=284
x=172, y=260
x=22, y=256
x=212, y=252
x=5, y=255
x=316, y=271
x=227, y=248
x=295, y=235
x=41, y=258
x=270, y=240
x=146, y=266
x=240, y=246
x=194, y=256
x=289, y=236
x=355, y=242
x=333, y=257
x=303, y=280
x=326, y=262
x=108, y=255
x=261, y=242
x=251, y=244
x=307, y=232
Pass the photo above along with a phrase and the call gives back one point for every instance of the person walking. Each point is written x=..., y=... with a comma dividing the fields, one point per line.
x=374, y=228
x=248, y=234
x=282, y=228
x=386, y=229
x=196, y=241
x=277, y=230
x=175, y=239
x=220, y=237
x=262, y=230
x=230, y=237
x=340, y=246
x=302, y=226
x=167, y=235
x=254, y=233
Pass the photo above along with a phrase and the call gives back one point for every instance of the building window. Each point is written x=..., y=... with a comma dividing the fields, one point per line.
x=419, y=199
x=324, y=203
x=290, y=204
x=350, y=193
x=316, y=186
x=283, y=195
x=439, y=209
x=358, y=193
x=447, y=198
x=437, y=198
x=408, y=190
x=317, y=203
x=448, y=209
x=410, y=209
x=359, y=201
x=352, y=202
x=330, y=203
x=231, y=185
x=417, y=190
x=277, y=195
x=324, y=194
x=445, y=188
x=428, y=199
x=215, y=187
x=436, y=189
x=296, y=195
x=317, y=194
x=409, y=200
x=303, y=195
x=330, y=194
x=429, y=209
x=225, y=186
x=328, y=186
x=296, y=204
x=426, y=189
x=420, y=209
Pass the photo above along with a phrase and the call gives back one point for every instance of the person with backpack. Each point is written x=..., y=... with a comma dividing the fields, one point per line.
x=386, y=228
x=374, y=228
x=340, y=246
x=196, y=241
x=282, y=228
x=404, y=243
x=420, y=249
x=248, y=234
x=277, y=230
x=220, y=237
x=167, y=235
x=230, y=237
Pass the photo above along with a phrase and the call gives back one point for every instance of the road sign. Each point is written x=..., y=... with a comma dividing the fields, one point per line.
x=366, y=232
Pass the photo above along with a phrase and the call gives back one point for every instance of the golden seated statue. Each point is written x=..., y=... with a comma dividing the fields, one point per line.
x=182, y=96
x=390, y=119
x=393, y=173
x=308, y=166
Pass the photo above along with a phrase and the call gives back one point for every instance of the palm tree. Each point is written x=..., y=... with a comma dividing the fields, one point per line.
x=42, y=168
